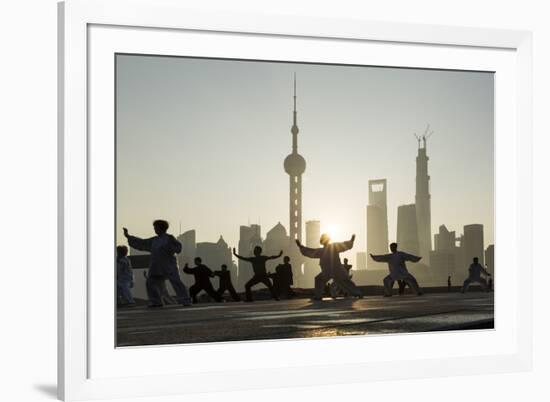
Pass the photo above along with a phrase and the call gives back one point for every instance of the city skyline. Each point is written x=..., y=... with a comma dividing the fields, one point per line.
x=338, y=162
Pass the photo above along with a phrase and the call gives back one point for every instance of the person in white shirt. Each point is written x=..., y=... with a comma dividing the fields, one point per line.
x=163, y=265
x=398, y=269
x=474, y=276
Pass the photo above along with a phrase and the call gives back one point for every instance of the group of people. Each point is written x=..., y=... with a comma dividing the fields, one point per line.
x=163, y=267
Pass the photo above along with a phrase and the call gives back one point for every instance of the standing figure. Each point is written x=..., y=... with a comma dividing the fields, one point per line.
x=474, y=276
x=163, y=265
x=225, y=283
x=449, y=285
x=260, y=274
x=398, y=269
x=202, y=280
x=285, y=278
x=124, y=277
x=331, y=266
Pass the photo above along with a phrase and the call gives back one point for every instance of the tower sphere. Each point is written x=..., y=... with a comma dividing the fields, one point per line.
x=295, y=164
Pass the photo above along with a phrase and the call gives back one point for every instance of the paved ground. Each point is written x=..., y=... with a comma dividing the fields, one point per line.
x=302, y=318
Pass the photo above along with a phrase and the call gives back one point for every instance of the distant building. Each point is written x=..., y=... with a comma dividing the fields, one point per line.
x=472, y=243
x=377, y=219
x=422, y=201
x=311, y=266
x=446, y=258
x=361, y=261
x=188, y=247
x=276, y=239
x=443, y=263
x=313, y=233
x=444, y=240
x=490, y=258
x=407, y=230
x=215, y=254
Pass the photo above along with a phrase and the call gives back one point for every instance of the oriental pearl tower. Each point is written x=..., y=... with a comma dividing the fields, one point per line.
x=295, y=166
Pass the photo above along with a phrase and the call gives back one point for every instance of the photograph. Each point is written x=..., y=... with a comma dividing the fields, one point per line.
x=270, y=200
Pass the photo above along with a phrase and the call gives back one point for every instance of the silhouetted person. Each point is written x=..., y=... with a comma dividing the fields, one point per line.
x=164, y=295
x=398, y=269
x=490, y=284
x=285, y=278
x=260, y=274
x=202, y=276
x=163, y=265
x=124, y=276
x=225, y=283
x=331, y=266
x=449, y=285
x=474, y=276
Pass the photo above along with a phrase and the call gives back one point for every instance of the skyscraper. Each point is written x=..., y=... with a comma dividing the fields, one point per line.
x=377, y=219
x=472, y=243
x=446, y=258
x=423, y=208
x=295, y=166
x=490, y=258
x=407, y=229
x=313, y=233
x=311, y=266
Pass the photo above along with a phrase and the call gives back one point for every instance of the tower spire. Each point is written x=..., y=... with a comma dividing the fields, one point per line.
x=294, y=129
x=423, y=199
x=294, y=98
x=295, y=166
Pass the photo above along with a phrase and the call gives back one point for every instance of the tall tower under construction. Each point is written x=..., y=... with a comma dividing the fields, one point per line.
x=295, y=166
x=422, y=199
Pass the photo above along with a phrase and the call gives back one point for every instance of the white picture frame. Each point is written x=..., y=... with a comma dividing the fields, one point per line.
x=89, y=365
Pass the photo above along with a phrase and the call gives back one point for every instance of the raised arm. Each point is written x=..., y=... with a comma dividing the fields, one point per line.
x=273, y=257
x=410, y=257
x=188, y=270
x=345, y=245
x=380, y=258
x=240, y=257
x=309, y=252
x=138, y=243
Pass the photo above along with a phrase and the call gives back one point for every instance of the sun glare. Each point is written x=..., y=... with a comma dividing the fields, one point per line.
x=331, y=230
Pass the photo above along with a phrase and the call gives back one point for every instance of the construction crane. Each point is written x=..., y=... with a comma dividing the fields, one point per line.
x=427, y=134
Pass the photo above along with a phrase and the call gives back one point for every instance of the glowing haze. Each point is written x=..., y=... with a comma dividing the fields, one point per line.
x=202, y=142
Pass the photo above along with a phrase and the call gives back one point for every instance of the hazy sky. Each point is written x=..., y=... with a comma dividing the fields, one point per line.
x=203, y=142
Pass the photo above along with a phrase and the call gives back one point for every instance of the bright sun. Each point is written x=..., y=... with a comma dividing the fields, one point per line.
x=331, y=230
